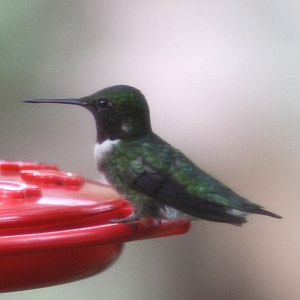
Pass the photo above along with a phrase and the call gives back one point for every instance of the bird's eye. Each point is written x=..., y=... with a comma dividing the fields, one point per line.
x=102, y=103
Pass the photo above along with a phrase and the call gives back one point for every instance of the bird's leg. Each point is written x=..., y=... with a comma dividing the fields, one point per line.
x=129, y=220
x=157, y=222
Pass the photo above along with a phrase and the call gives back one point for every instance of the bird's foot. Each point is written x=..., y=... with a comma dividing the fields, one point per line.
x=130, y=220
x=157, y=222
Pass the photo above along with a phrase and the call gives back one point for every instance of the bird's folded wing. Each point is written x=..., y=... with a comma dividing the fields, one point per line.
x=162, y=187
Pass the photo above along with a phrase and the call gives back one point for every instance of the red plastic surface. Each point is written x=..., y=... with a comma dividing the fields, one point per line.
x=54, y=226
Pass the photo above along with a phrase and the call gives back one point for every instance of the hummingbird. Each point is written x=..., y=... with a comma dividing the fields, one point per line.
x=158, y=180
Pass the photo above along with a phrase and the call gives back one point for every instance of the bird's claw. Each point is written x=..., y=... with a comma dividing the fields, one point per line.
x=128, y=220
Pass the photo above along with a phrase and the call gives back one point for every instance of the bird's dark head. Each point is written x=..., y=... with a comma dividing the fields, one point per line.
x=120, y=111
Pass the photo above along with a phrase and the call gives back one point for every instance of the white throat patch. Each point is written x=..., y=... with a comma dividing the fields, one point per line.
x=101, y=150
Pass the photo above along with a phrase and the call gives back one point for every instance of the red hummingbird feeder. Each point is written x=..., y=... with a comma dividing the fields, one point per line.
x=54, y=226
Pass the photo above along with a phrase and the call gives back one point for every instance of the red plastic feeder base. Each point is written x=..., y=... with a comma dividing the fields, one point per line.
x=54, y=226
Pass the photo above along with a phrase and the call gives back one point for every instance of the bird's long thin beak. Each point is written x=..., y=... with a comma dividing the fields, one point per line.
x=75, y=101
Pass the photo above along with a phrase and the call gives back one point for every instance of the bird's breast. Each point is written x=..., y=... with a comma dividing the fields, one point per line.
x=102, y=150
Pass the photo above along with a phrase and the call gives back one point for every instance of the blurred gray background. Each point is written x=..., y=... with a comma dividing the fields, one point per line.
x=222, y=81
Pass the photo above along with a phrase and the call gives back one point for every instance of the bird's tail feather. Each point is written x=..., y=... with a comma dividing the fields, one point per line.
x=261, y=211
